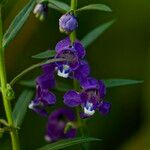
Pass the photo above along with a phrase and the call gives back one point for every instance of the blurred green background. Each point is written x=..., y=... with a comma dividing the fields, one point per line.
x=123, y=51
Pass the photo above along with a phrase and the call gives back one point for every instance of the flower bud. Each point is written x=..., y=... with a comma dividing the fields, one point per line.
x=40, y=11
x=68, y=23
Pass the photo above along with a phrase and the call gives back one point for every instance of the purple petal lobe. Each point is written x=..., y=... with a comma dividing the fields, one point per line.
x=48, y=97
x=102, y=89
x=71, y=133
x=79, y=48
x=89, y=83
x=104, y=108
x=45, y=81
x=82, y=72
x=72, y=98
x=49, y=68
x=63, y=44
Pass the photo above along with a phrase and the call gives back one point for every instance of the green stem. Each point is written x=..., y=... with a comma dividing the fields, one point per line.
x=81, y=123
x=76, y=87
x=20, y=75
x=6, y=102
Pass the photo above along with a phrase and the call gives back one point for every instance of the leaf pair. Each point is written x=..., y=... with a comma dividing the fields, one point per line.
x=64, y=8
x=63, y=87
x=23, y=15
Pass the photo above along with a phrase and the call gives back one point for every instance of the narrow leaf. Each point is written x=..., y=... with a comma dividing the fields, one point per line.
x=18, y=22
x=95, y=33
x=21, y=107
x=60, y=86
x=45, y=54
x=57, y=5
x=28, y=83
x=60, y=5
x=120, y=82
x=66, y=143
x=100, y=7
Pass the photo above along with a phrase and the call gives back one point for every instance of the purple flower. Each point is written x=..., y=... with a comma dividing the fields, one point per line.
x=68, y=23
x=40, y=11
x=72, y=52
x=60, y=125
x=90, y=98
x=44, y=97
x=82, y=72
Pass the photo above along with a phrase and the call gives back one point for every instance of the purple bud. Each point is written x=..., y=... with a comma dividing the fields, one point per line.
x=68, y=23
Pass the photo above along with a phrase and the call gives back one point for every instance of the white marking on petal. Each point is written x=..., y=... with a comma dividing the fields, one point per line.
x=31, y=105
x=88, y=109
x=47, y=138
x=63, y=73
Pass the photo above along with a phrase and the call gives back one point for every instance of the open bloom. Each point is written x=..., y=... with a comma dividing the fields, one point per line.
x=44, y=97
x=40, y=11
x=73, y=53
x=68, y=23
x=60, y=125
x=90, y=98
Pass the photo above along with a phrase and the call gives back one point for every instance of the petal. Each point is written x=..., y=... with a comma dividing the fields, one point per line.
x=63, y=44
x=46, y=81
x=84, y=97
x=102, y=89
x=48, y=98
x=104, y=108
x=49, y=68
x=71, y=133
x=84, y=116
x=79, y=48
x=72, y=98
x=35, y=105
x=41, y=111
x=89, y=83
x=82, y=71
x=56, y=115
x=55, y=130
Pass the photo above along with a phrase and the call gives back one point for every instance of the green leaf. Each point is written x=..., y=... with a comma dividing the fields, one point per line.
x=120, y=82
x=28, y=83
x=66, y=143
x=20, y=75
x=57, y=5
x=18, y=22
x=100, y=7
x=21, y=107
x=95, y=33
x=45, y=54
x=60, y=86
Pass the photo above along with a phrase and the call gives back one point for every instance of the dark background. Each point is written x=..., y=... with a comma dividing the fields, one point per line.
x=121, y=52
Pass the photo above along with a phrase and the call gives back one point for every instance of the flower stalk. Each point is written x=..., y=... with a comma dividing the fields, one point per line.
x=73, y=37
x=6, y=102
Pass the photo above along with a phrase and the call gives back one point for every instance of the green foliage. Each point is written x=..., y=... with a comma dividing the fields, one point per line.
x=100, y=7
x=17, y=23
x=45, y=54
x=64, y=86
x=67, y=143
x=21, y=107
x=28, y=83
x=57, y=5
x=95, y=33
x=120, y=82
x=60, y=86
